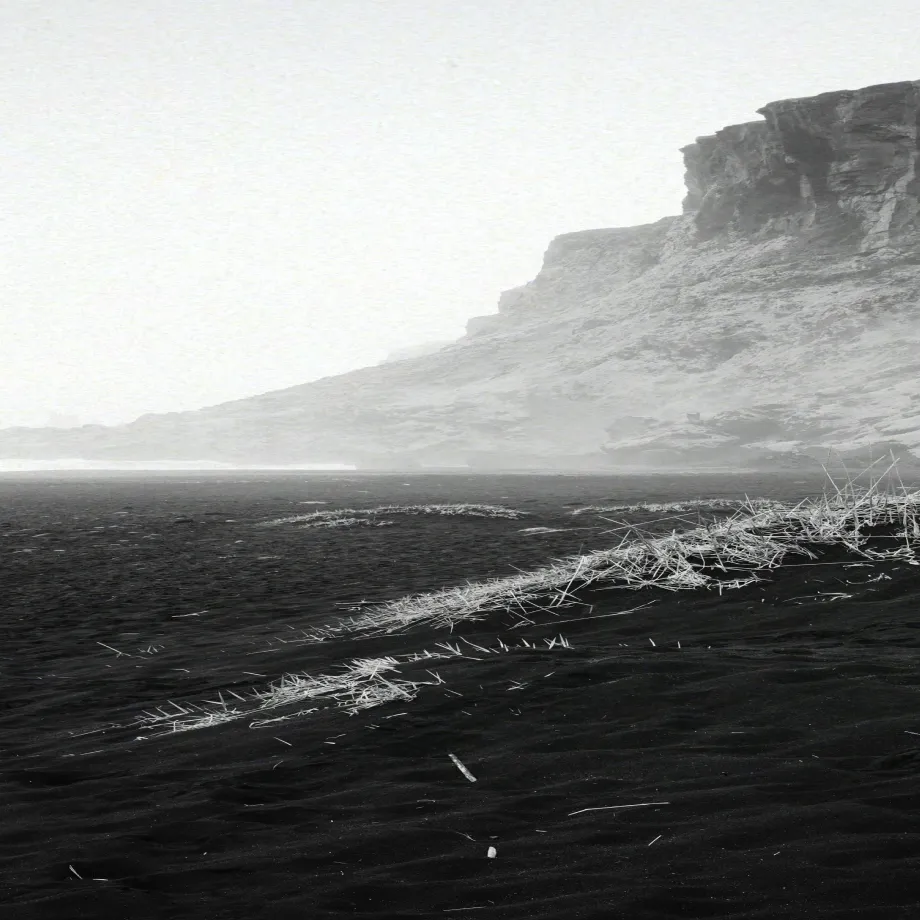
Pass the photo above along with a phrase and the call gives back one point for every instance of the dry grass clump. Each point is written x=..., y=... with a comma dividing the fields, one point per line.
x=363, y=684
x=695, y=504
x=355, y=515
x=719, y=555
x=348, y=522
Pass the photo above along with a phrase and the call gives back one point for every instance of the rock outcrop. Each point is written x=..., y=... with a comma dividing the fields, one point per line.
x=840, y=167
x=776, y=319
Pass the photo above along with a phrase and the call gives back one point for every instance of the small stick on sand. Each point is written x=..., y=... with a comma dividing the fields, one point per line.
x=462, y=768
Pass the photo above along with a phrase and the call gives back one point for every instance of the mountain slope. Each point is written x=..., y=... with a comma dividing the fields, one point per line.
x=778, y=317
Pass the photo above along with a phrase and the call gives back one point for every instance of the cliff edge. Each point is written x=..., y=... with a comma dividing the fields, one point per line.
x=776, y=319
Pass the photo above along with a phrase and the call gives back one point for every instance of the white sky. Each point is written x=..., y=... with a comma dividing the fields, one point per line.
x=208, y=199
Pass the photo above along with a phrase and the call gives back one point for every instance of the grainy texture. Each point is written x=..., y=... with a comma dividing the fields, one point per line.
x=778, y=723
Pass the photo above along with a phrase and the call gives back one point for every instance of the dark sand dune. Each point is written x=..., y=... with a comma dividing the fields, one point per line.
x=753, y=754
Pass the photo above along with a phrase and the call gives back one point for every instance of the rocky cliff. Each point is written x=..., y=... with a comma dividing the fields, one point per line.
x=776, y=319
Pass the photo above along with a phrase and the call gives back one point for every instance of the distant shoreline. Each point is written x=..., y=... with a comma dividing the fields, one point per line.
x=76, y=468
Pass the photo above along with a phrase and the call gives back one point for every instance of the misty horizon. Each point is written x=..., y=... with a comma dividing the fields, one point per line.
x=207, y=202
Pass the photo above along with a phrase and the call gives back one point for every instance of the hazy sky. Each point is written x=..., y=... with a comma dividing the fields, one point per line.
x=208, y=199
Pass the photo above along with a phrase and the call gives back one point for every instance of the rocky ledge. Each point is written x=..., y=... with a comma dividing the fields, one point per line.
x=774, y=323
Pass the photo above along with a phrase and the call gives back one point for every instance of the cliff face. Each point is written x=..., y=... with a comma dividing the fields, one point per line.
x=840, y=167
x=776, y=318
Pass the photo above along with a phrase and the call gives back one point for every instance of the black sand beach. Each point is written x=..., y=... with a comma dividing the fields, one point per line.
x=749, y=754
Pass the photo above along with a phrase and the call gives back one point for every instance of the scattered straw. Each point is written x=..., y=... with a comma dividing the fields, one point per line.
x=351, y=516
x=696, y=504
x=364, y=684
x=722, y=556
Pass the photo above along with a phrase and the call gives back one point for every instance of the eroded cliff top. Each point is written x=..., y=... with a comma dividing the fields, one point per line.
x=835, y=168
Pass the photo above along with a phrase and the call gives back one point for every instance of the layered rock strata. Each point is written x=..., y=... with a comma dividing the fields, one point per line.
x=774, y=321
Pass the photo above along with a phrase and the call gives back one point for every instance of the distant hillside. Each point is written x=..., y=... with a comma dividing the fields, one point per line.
x=776, y=319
